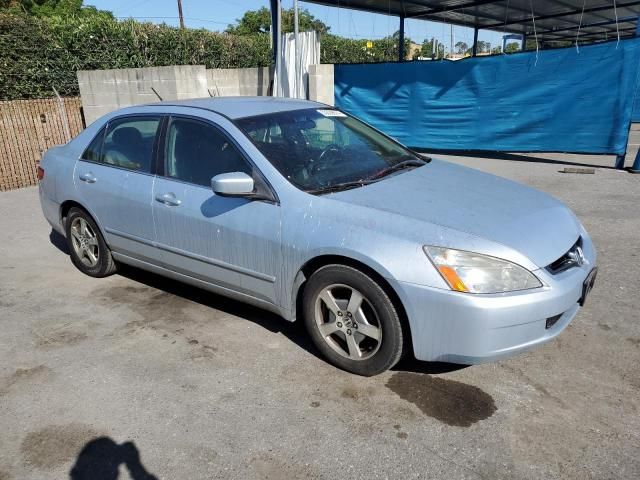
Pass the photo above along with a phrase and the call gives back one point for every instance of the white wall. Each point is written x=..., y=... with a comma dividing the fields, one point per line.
x=321, y=83
x=224, y=82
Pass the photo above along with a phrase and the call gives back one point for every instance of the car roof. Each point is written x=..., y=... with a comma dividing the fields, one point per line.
x=239, y=107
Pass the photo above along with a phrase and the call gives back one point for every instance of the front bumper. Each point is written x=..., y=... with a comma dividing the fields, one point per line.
x=465, y=328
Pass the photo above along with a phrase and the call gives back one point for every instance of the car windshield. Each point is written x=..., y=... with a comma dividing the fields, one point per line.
x=325, y=150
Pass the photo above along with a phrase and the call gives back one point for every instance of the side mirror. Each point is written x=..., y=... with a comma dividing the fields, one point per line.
x=233, y=184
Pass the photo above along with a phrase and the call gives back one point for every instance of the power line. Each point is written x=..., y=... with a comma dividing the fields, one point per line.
x=174, y=17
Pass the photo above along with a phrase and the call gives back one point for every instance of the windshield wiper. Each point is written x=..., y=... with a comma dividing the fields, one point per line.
x=338, y=187
x=414, y=162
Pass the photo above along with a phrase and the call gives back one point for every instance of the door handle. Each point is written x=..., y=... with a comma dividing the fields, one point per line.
x=168, y=199
x=88, y=177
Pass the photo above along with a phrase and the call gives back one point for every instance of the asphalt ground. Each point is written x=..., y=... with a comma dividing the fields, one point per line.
x=138, y=375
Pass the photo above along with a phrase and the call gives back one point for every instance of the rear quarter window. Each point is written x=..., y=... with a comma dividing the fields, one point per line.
x=93, y=152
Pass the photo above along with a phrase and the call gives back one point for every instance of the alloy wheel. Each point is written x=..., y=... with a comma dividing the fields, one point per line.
x=348, y=322
x=85, y=242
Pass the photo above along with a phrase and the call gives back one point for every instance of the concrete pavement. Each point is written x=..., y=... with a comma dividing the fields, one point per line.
x=144, y=376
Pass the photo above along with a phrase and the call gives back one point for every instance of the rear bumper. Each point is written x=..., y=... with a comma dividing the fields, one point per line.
x=464, y=328
x=51, y=211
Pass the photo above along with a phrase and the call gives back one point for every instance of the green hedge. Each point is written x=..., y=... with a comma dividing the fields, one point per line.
x=346, y=50
x=37, y=54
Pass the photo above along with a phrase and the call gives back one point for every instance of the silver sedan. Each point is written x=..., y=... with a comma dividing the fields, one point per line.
x=303, y=210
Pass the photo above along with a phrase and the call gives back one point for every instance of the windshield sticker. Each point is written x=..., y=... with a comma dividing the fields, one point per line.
x=331, y=113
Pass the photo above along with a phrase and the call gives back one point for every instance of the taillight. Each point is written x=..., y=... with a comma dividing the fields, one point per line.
x=40, y=173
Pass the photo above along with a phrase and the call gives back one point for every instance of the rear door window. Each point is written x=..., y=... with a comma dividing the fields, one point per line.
x=128, y=143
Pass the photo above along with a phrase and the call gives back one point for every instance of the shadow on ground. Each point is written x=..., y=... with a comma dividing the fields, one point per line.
x=59, y=242
x=410, y=364
x=267, y=320
x=101, y=458
x=274, y=323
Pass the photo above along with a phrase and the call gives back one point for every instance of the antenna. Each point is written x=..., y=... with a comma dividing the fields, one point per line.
x=156, y=92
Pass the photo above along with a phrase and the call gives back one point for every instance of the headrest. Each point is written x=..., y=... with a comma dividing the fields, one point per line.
x=127, y=135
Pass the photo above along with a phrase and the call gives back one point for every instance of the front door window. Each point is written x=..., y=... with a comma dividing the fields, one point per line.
x=197, y=151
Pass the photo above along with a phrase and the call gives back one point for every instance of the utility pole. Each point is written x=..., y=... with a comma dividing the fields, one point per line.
x=180, y=13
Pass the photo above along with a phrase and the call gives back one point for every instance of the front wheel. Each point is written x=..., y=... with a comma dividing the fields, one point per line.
x=352, y=320
x=89, y=251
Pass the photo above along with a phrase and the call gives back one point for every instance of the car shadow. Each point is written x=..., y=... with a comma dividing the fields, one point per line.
x=272, y=322
x=294, y=331
x=100, y=459
x=411, y=364
x=58, y=241
x=217, y=205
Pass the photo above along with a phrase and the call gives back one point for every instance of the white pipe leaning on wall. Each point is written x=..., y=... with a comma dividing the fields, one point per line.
x=63, y=115
x=278, y=76
x=296, y=49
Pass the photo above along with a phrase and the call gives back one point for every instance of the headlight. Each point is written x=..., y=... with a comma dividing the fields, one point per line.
x=476, y=273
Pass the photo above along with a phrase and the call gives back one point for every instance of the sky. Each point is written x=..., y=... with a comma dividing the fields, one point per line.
x=217, y=14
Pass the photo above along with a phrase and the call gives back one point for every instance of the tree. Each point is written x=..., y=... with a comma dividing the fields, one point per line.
x=461, y=47
x=52, y=8
x=259, y=21
x=427, y=50
x=512, y=47
x=483, y=46
x=496, y=50
x=387, y=48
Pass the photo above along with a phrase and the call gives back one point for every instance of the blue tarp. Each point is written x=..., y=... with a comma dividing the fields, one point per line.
x=566, y=101
x=635, y=116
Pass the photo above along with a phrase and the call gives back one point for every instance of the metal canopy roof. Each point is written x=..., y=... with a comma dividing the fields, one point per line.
x=554, y=20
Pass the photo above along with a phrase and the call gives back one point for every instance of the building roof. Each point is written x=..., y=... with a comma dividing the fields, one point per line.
x=554, y=20
x=239, y=107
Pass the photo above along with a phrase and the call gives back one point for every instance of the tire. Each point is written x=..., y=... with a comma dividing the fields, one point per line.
x=89, y=252
x=345, y=335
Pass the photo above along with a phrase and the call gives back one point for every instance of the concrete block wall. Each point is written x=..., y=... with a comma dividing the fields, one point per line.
x=225, y=82
x=103, y=91
x=321, y=83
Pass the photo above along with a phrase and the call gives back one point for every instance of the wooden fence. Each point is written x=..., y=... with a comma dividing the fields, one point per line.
x=27, y=129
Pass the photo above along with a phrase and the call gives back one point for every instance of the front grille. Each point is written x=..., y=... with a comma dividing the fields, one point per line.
x=573, y=258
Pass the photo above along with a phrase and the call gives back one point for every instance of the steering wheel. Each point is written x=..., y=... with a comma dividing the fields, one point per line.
x=331, y=149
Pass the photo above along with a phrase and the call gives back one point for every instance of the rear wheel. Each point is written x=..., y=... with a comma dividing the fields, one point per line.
x=89, y=252
x=352, y=320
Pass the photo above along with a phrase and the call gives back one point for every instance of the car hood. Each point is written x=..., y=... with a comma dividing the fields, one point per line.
x=467, y=200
